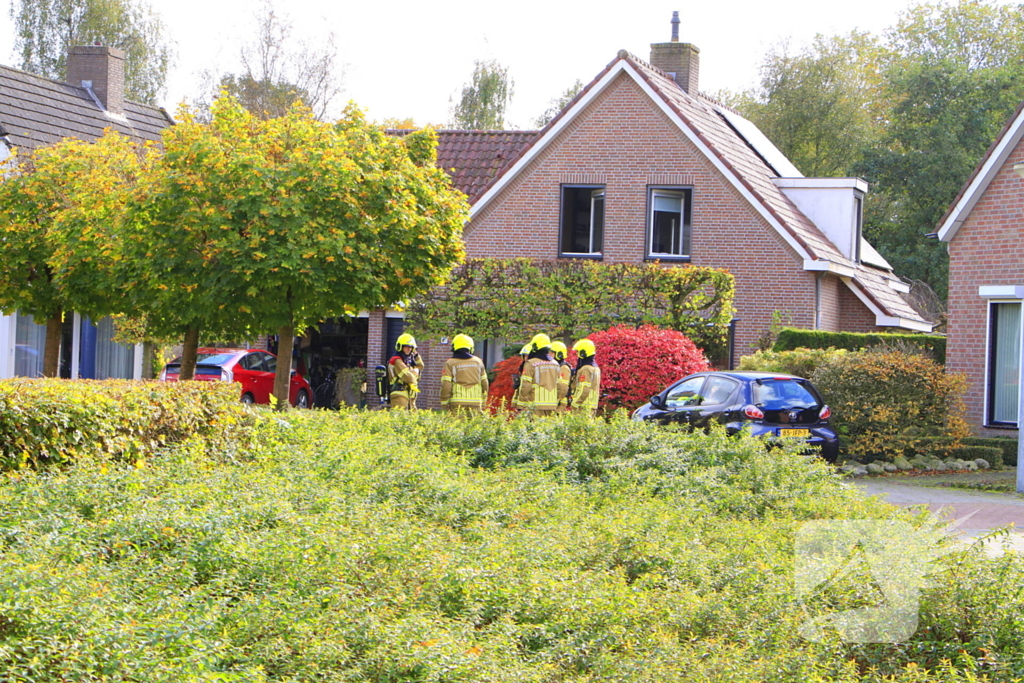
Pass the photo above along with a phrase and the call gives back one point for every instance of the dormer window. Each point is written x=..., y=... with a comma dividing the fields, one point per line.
x=582, y=221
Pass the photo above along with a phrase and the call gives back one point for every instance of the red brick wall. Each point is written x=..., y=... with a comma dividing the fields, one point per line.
x=625, y=143
x=854, y=316
x=986, y=250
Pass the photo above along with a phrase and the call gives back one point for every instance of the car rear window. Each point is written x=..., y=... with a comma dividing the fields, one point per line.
x=784, y=394
x=209, y=358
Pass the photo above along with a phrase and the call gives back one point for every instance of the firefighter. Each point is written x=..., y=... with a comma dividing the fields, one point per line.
x=463, y=378
x=587, y=391
x=517, y=379
x=538, y=392
x=559, y=352
x=404, y=370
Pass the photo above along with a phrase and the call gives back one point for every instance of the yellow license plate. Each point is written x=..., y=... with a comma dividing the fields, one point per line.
x=795, y=433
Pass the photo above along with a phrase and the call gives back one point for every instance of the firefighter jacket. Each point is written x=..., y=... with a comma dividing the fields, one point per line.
x=463, y=382
x=538, y=389
x=564, y=377
x=404, y=373
x=588, y=388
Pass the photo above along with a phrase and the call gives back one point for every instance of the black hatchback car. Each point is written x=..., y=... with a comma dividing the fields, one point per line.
x=769, y=405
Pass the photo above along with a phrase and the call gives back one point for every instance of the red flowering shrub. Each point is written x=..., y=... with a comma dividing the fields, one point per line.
x=638, y=363
x=500, y=393
x=635, y=364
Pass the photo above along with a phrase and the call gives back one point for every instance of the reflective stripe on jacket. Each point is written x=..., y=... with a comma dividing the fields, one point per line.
x=564, y=376
x=463, y=382
x=588, y=388
x=539, y=389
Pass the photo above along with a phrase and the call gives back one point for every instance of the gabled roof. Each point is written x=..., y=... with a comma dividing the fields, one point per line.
x=474, y=158
x=996, y=155
x=745, y=163
x=37, y=111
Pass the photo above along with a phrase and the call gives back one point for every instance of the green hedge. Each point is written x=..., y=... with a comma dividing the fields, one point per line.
x=790, y=339
x=52, y=421
x=800, y=362
x=994, y=456
x=1006, y=445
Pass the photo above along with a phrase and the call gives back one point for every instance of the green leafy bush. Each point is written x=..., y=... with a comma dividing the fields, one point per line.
x=791, y=338
x=46, y=422
x=888, y=402
x=394, y=547
x=1007, y=446
x=800, y=362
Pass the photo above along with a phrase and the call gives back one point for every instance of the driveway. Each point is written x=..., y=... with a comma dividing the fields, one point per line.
x=978, y=511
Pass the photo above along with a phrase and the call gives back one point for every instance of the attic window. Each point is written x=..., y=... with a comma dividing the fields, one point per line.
x=582, y=220
x=668, y=223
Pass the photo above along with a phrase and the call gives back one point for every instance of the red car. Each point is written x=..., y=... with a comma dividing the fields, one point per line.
x=253, y=369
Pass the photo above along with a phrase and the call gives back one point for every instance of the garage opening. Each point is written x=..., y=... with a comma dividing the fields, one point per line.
x=333, y=357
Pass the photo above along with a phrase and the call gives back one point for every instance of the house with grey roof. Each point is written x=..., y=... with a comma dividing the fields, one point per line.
x=35, y=112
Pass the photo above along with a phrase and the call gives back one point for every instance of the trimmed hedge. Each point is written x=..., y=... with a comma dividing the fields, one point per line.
x=800, y=362
x=994, y=456
x=968, y=448
x=791, y=338
x=1007, y=446
x=54, y=421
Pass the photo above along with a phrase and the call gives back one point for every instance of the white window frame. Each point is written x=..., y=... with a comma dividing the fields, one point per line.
x=685, y=195
x=996, y=296
x=597, y=192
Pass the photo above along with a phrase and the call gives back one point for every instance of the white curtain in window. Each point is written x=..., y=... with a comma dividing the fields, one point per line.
x=1006, y=363
x=29, y=345
x=113, y=360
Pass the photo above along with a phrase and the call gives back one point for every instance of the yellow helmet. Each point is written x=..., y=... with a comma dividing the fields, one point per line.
x=525, y=351
x=559, y=349
x=462, y=341
x=585, y=348
x=540, y=341
x=405, y=340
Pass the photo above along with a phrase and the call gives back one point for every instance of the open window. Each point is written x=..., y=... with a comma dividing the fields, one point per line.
x=669, y=223
x=582, y=220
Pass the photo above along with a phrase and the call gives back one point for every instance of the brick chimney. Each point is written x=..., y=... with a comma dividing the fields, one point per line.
x=679, y=60
x=101, y=69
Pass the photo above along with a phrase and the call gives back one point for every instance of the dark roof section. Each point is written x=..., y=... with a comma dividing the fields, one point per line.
x=475, y=158
x=37, y=111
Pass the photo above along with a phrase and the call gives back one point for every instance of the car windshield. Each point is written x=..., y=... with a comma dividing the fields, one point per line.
x=784, y=394
x=209, y=358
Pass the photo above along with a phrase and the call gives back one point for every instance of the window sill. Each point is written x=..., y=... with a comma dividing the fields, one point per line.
x=591, y=257
x=1002, y=425
x=667, y=259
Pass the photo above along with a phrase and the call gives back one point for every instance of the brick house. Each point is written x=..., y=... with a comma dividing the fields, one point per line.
x=37, y=111
x=983, y=231
x=641, y=166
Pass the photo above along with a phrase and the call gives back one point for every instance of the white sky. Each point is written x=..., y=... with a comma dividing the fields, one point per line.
x=407, y=59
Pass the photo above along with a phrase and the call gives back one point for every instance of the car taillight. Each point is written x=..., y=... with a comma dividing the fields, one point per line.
x=753, y=412
x=227, y=375
x=825, y=413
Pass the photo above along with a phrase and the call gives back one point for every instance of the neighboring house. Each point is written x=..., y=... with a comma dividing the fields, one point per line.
x=983, y=230
x=641, y=167
x=35, y=112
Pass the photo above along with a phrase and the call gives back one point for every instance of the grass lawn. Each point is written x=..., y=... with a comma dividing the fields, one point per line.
x=1001, y=481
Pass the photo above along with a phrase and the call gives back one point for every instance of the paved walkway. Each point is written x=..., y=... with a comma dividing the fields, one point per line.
x=980, y=511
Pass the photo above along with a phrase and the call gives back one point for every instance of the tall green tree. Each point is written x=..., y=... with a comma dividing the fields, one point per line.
x=558, y=104
x=285, y=222
x=60, y=220
x=817, y=104
x=45, y=29
x=484, y=99
x=952, y=74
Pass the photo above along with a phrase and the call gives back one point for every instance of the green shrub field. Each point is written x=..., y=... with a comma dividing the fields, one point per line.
x=385, y=547
x=791, y=338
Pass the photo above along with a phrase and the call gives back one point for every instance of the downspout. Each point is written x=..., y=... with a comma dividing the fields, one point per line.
x=817, y=299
